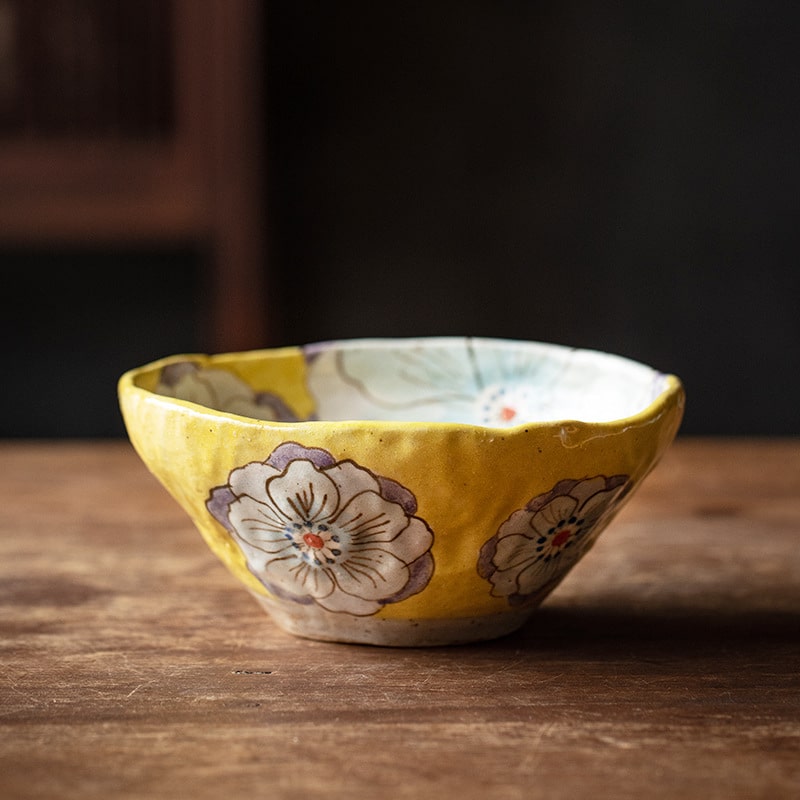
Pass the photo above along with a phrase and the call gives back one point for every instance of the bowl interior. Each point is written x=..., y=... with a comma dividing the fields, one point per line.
x=491, y=382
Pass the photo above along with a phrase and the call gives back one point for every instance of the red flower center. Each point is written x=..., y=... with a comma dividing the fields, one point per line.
x=507, y=413
x=561, y=537
x=314, y=540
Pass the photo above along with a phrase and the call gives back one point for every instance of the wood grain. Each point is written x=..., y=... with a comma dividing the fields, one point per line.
x=134, y=666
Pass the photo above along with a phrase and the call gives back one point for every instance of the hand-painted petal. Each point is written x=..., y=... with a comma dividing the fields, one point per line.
x=505, y=582
x=420, y=573
x=298, y=577
x=371, y=573
x=224, y=387
x=413, y=383
x=414, y=540
x=259, y=525
x=303, y=493
x=597, y=502
x=251, y=480
x=351, y=480
x=514, y=551
x=535, y=575
x=369, y=518
x=585, y=489
x=185, y=384
x=266, y=409
x=349, y=604
x=527, y=363
x=519, y=522
x=558, y=509
x=285, y=453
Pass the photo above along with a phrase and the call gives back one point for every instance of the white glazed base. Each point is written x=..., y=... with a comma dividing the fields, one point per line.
x=314, y=622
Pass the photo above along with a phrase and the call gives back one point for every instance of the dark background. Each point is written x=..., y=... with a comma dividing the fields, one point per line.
x=621, y=176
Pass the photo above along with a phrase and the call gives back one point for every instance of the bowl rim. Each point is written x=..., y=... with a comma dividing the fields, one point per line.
x=672, y=392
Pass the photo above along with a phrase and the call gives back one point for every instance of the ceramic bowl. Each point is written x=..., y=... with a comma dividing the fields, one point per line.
x=401, y=492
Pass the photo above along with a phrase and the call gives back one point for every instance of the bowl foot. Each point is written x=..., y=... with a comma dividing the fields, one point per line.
x=314, y=622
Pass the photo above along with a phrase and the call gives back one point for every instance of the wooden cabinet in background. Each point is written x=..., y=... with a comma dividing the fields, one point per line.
x=140, y=122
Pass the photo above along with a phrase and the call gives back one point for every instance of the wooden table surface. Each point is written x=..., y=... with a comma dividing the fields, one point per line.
x=666, y=665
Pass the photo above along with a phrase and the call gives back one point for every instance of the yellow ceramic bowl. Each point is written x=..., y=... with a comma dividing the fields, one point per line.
x=401, y=491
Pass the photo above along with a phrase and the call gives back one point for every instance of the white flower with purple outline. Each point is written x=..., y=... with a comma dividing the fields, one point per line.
x=317, y=530
x=537, y=545
x=221, y=389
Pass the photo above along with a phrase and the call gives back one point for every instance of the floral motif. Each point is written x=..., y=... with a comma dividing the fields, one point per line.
x=317, y=530
x=220, y=389
x=466, y=380
x=473, y=380
x=537, y=545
